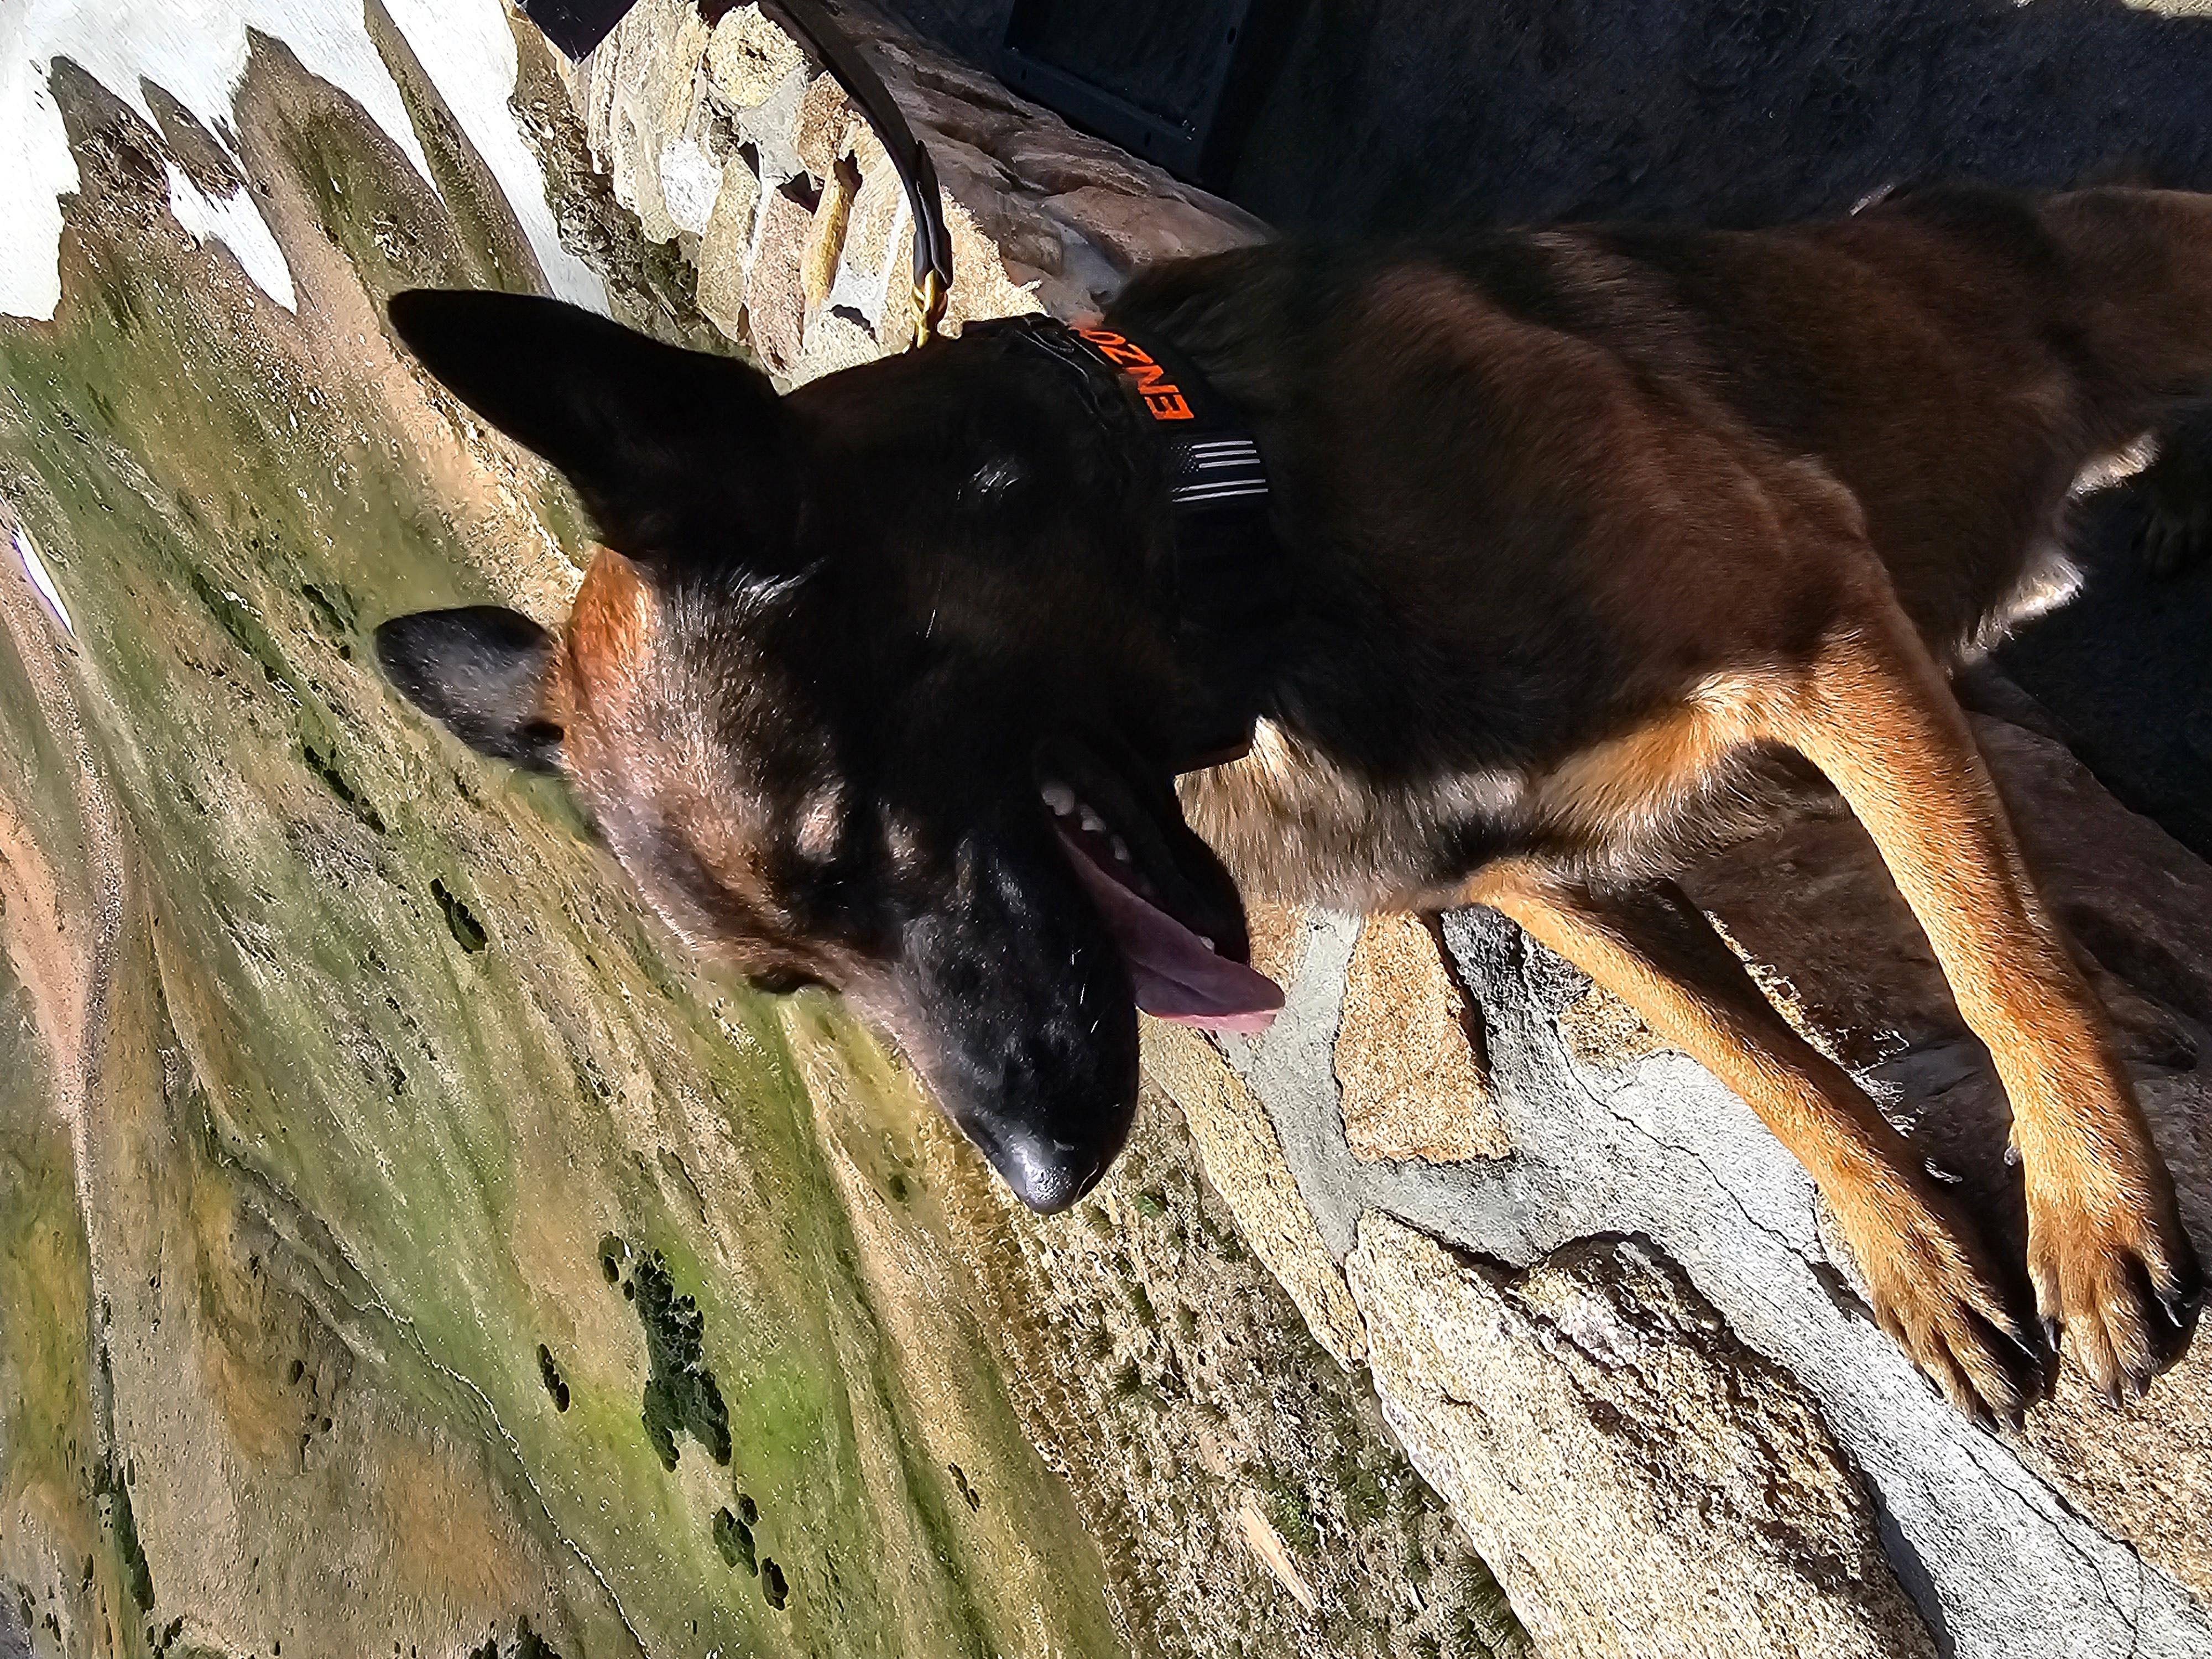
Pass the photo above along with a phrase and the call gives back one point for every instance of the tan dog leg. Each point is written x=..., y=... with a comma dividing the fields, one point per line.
x=1935, y=1287
x=2106, y=1248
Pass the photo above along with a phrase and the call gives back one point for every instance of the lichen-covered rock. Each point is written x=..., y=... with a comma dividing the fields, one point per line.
x=1642, y=1483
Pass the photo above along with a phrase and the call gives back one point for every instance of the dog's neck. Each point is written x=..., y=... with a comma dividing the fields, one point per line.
x=1221, y=584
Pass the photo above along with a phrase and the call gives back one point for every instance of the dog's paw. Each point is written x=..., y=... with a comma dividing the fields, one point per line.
x=1936, y=1291
x=2117, y=1280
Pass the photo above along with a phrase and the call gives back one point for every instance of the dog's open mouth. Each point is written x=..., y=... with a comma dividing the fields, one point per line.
x=1179, y=973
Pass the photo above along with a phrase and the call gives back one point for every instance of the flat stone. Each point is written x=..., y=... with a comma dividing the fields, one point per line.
x=1604, y=1033
x=1133, y=230
x=825, y=246
x=651, y=61
x=725, y=250
x=875, y=212
x=1054, y=159
x=986, y=190
x=690, y=183
x=826, y=116
x=1411, y=1084
x=1641, y=1483
x=981, y=287
x=2140, y=1482
x=834, y=342
x=776, y=294
x=1277, y=934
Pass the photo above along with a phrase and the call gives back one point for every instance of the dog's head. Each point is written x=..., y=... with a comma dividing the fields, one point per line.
x=871, y=692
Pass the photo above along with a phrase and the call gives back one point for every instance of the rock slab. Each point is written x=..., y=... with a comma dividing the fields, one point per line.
x=1596, y=1409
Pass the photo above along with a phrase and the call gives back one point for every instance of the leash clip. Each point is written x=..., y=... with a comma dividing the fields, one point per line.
x=929, y=298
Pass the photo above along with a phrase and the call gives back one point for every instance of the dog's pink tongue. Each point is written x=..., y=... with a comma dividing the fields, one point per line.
x=1176, y=977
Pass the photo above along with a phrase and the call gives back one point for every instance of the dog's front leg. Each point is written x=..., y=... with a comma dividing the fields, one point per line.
x=2111, y=1261
x=1935, y=1287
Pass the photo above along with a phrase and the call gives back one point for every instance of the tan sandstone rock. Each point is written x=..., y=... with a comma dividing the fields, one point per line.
x=1411, y=1084
x=1278, y=936
x=749, y=56
x=1642, y=1484
x=726, y=247
x=776, y=290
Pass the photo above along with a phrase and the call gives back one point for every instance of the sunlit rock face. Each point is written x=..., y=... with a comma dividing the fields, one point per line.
x=403, y=1246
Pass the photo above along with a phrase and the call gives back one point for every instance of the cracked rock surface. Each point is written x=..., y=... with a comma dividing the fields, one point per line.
x=1596, y=1409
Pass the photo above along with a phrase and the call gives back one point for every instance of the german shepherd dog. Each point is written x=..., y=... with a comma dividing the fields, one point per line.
x=1584, y=535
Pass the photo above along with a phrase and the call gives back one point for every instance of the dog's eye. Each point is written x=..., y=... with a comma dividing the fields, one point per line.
x=781, y=981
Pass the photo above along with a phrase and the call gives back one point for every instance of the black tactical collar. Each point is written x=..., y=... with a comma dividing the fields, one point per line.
x=1223, y=578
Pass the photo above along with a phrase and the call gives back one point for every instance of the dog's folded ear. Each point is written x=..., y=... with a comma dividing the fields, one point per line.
x=480, y=672
x=681, y=456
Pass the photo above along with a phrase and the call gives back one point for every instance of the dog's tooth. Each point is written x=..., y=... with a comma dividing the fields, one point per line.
x=1060, y=798
x=1120, y=850
x=1090, y=820
x=1209, y=945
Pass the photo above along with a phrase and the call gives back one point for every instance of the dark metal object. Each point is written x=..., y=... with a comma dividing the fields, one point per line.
x=1163, y=78
x=575, y=26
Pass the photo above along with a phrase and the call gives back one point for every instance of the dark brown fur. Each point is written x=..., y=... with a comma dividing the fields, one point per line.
x=1590, y=536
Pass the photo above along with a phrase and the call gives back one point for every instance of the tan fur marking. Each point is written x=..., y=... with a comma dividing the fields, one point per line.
x=1879, y=720
x=1644, y=775
x=609, y=640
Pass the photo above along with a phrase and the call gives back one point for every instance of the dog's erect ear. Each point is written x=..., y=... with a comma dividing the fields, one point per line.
x=480, y=670
x=679, y=455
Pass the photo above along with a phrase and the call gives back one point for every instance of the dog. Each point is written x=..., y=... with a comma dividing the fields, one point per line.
x=1585, y=540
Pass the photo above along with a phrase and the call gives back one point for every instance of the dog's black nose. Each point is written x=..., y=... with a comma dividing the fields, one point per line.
x=1048, y=1175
